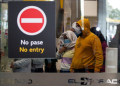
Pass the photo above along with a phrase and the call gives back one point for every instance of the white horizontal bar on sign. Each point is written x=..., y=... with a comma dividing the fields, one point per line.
x=31, y=20
x=111, y=66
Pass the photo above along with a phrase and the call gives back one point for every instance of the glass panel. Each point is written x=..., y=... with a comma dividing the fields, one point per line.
x=5, y=61
x=113, y=18
x=113, y=25
x=2, y=53
x=72, y=11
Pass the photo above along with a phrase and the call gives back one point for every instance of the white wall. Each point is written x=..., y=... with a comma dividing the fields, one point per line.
x=90, y=8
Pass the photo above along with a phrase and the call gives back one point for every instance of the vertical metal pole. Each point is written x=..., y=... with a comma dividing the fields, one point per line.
x=76, y=8
x=82, y=13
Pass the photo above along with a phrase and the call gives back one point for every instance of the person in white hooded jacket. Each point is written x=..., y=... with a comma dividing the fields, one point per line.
x=67, y=43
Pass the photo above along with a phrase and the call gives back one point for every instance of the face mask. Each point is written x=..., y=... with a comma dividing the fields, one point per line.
x=67, y=41
x=77, y=29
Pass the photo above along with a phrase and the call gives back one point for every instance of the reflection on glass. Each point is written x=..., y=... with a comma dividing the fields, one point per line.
x=82, y=13
x=113, y=25
x=113, y=18
x=5, y=61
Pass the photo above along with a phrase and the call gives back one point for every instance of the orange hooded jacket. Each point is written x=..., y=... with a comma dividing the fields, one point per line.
x=88, y=50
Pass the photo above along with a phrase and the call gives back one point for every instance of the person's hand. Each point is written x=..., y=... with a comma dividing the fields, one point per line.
x=72, y=71
x=12, y=65
x=62, y=49
x=96, y=71
x=72, y=29
x=49, y=65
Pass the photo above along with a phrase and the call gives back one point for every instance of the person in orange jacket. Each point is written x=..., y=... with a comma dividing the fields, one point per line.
x=88, y=56
x=104, y=45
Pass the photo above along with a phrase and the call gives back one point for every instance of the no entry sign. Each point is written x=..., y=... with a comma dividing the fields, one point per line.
x=31, y=29
x=31, y=20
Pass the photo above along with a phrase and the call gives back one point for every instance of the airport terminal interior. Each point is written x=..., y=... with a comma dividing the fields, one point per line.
x=102, y=14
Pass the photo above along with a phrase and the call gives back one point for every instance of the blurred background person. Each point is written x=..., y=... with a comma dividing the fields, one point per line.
x=50, y=65
x=37, y=65
x=21, y=65
x=103, y=42
x=2, y=53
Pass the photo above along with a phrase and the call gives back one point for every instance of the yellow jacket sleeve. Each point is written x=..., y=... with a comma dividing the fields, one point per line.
x=98, y=53
x=71, y=67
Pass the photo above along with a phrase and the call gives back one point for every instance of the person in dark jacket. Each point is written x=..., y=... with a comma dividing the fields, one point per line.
x=103, y=42
x=50, y=65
